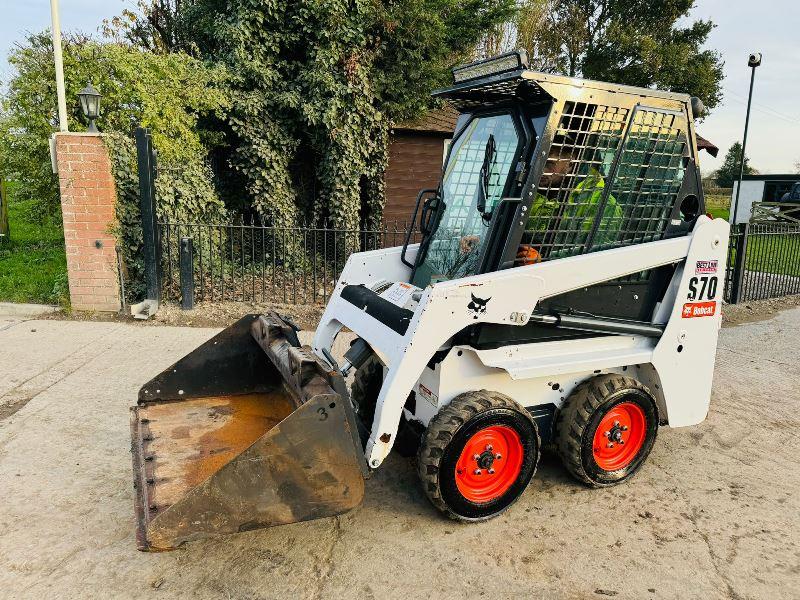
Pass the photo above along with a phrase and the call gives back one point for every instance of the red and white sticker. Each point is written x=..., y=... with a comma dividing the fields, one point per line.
x=706, y=267
x=428, y=395
x=699, y=309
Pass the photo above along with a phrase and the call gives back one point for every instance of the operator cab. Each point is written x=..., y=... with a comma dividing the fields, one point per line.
x=543, y=167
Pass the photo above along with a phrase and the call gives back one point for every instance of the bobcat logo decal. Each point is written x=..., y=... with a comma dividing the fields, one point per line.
x=477, y=306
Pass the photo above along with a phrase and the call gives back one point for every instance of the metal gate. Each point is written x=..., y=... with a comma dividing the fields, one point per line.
x=763, y=261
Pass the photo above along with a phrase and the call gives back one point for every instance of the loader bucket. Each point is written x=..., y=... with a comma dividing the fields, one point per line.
x=247, y=431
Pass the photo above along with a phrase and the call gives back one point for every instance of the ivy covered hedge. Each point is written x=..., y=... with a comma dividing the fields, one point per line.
x=315, y=87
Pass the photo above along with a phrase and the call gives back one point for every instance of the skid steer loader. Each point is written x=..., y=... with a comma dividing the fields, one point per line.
x=566, y=290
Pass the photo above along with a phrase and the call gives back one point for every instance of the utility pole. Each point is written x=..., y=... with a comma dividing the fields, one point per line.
x=753, y=61
x=59, y=61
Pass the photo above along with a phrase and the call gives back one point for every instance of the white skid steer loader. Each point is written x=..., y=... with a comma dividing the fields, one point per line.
x=566, y=289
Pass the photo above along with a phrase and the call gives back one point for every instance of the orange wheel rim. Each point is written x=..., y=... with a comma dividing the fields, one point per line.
x=619, y=436
x=489, y=464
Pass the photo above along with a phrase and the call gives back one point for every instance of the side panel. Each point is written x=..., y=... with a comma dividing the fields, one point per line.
x=508, y=297
x=463, y=371
x=505, y=297
x=367, y=268
x=685, y=354
x=678, y=367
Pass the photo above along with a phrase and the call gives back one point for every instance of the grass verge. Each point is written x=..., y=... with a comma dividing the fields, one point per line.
x=719, y=206
x=774, y=253
x=33, y=264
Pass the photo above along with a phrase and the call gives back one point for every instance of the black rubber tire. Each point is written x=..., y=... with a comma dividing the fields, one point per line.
x=578, y=419
x=445, y=438
x=365, y=389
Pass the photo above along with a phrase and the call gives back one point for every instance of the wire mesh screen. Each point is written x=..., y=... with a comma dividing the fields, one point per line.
x=579, y=208
x=571, y=187
x=648, y=178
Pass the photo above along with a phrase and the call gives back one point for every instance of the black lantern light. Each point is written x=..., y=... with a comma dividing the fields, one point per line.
x=90, y=104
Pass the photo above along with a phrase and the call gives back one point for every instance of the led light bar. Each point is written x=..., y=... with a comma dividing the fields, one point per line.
x=510, y=61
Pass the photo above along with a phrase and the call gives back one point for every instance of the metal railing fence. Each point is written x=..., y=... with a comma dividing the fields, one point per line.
x=264, y=263
x=766, y=257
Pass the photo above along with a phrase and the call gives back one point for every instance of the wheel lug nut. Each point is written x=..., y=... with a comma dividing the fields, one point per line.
x=491, y=471
x=498, y=456
x=616, y=423
x=624, y=428
x=488, y=447
x=610, y=444
x=608, y=434
x=477, y=471
x=476, y=456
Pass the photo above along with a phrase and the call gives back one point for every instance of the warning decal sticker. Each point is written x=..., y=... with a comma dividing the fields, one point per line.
x=428, y=395
x=699, y=309
x=399, y=293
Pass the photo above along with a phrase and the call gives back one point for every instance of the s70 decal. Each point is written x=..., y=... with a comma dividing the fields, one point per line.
x=703, y=288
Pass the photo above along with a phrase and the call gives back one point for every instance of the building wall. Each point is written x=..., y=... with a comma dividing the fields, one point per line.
x=752, y=192
x=415, y=163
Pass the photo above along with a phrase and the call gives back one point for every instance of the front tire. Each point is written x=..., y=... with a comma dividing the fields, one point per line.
x=366, y=387
x=606, y=429
x=478, y=455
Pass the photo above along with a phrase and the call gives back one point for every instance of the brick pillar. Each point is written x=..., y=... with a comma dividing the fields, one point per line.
x=87, y=204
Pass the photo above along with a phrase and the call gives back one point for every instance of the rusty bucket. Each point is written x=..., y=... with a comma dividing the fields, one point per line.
x=246, y=431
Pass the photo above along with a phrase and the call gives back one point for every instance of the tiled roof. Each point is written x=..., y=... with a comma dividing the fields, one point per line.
x=437, y=120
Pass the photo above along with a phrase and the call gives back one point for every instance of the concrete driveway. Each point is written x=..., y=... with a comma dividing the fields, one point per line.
x=715, y=513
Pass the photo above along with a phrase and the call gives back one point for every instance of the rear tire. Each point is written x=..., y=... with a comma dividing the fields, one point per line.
x=478, y=455
x=606, y=429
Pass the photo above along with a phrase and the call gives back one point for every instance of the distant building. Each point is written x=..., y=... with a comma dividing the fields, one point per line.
x=416, y=153
x=760, y=188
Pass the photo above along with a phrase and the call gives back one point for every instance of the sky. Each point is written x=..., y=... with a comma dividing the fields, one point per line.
x=771, y=27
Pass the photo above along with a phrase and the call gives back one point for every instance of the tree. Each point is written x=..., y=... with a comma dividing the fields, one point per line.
x=534, y=33
x=316, y=87
x=155, y=26
x=635, y=42
x=728, y=173
x=169, y=93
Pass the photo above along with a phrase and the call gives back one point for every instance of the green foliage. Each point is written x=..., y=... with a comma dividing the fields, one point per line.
x=128, y=229
x=316, y=89
x=168, y=93
x=728, y=172
x=636, y=42
x=154, y=26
